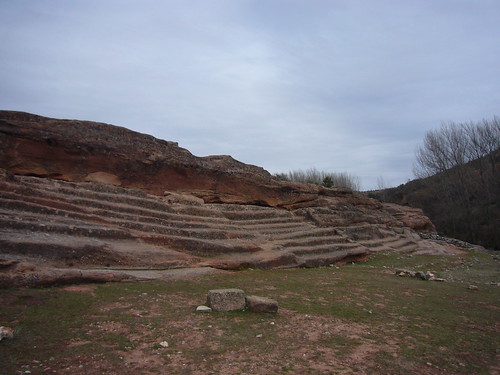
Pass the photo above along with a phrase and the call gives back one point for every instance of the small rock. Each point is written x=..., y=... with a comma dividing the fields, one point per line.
x=164, y=344
x=421, y=275
x=261, y=304
x=473, y=287
x=405, y=273
x=203, y=309
x=6, y=333
x=259, y=335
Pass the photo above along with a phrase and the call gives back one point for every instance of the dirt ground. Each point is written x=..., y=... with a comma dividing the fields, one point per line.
x=356, y=319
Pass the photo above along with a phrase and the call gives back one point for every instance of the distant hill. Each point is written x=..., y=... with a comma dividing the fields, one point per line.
x=462, y=203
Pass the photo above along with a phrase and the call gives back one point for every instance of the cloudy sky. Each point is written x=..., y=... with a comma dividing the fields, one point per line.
x=339, y=85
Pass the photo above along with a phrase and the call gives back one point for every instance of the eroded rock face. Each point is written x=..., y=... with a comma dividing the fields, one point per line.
x=79, y=151
x=80, y=201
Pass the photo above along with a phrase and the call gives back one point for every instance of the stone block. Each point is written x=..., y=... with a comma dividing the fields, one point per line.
x=261, y=304
x=226, y=299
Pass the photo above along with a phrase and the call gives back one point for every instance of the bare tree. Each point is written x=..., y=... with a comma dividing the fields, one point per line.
x=456, y=144
x=463, y=158
x=381, y=184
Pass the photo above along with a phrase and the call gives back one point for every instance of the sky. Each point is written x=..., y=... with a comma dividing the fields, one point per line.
x=337, y=85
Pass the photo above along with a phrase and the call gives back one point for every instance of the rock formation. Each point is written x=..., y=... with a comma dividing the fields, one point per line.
x=81, y=151
x=86, y=201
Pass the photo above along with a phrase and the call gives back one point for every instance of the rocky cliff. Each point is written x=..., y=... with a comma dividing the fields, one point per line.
x=95, y=202
x=78, y=151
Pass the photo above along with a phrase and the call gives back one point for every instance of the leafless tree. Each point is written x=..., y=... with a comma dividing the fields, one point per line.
x=463, y=159
x=456, y=144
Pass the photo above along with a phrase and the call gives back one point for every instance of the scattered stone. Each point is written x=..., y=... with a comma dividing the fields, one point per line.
x=261, y=304
x=203, y=309
x=400, y=272
x=473, y=287
x=226, y=299
x=421, y=275
x=405, y=273
x=164, y=344
x=6, y=333
x=259, y=336
x=418, y=274
x=451, y=241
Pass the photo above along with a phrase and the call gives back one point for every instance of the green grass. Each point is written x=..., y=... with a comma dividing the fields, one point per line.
x=358, y=316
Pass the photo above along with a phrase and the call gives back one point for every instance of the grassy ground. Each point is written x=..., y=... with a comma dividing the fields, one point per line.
x=356, y=319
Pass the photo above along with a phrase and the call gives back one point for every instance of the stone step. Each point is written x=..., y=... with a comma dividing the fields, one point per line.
x=113, y=206
x=201, y=247
x=148, y=206
x=220, y=233
x=199, y=228
x=156, y=225
x=100, y=192
x=15, y=220
x=143, y=205
x=274, y=227
x=325, y=259
x=323, y=249
x=261, y=214
x=40, y=208
x=63, y=249
x=377, y=243
x=308, y=231
x=57, y=247
x=103, y=209
x=366, y=232
x=110, y=194
x=312, y=241
x=270, y=221
x=73, y=188
x=55, y=224
x=402, y=245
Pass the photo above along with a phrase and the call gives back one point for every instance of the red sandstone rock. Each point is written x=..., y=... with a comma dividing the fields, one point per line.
x=78, y=151
x=261, y=304
x=134, y=201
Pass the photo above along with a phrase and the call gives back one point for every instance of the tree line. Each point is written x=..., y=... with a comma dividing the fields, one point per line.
x=461, y=166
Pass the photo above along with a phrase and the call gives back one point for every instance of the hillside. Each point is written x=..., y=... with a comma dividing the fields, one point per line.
x=467, y=208
x=85, y=201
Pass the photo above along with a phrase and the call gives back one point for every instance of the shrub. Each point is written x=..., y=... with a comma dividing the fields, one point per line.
x=326, y=179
